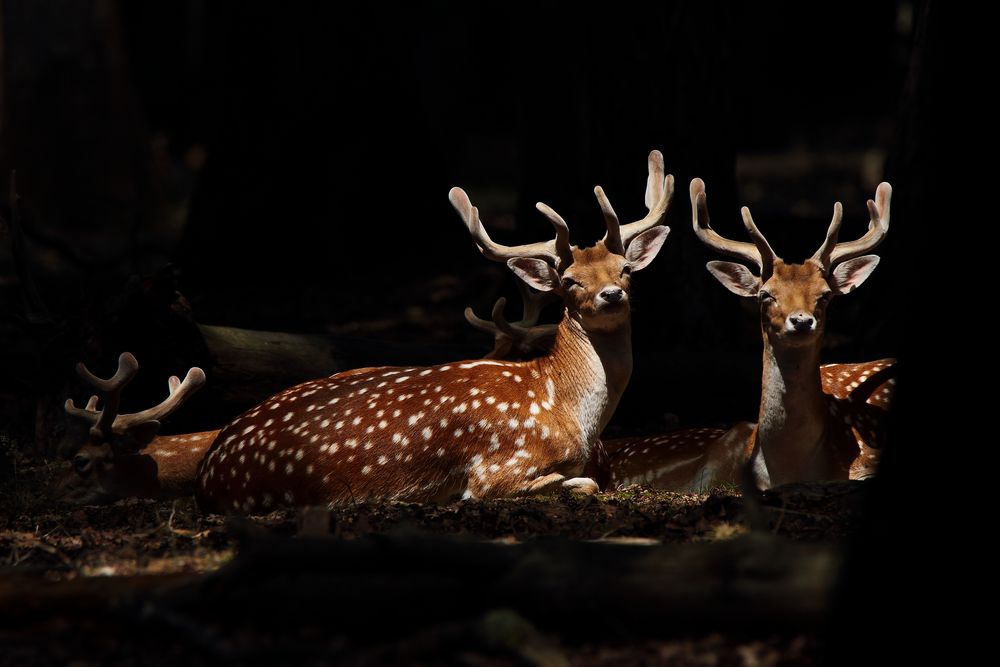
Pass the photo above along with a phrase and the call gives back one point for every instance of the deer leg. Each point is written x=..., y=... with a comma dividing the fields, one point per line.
x=583, y=486
x=552, y=481
x=544, y=484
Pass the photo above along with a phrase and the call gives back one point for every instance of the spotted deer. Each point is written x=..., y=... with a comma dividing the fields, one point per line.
x=124, y=456
x=693, y=459
x=811, y=424
x=469, y=429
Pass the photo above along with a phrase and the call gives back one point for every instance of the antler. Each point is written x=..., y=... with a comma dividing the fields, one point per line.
x=832, y=253
x=758, y=253
x=178, y=392
x=557, y=251
x=108, y=421
x=524, y=333
x=659, y=192
x=102, y=421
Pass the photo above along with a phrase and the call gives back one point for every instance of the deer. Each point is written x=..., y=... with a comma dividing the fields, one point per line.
x=123, y=455
x=696, y=459
x=463, y=430
x=815, y=422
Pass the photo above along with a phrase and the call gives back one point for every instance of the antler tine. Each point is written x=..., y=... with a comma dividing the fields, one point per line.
x=532, y=304
x=88, y=413
x=659, y=194
x=613, y=238
x=502, y=341
x=500, y=321
x=495, y=251
x=767, y=255
x=102, y=421
x=747, y=252
x=478, y=322
x=561, y=244
x=878, y=227
x=178, y=393
x=830, y=242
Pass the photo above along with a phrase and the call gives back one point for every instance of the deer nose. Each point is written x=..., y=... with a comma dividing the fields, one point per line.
x=612, y=294
x=801, y=321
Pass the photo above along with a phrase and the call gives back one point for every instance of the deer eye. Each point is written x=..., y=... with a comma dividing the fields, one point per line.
x=765, y=297
x=81, y=464
x=569, y=283
x=824, y=297
x=626, y=270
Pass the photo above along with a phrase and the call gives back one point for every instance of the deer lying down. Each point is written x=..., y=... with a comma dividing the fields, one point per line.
x=472, y=429
x=123, y=456
x=855, y=397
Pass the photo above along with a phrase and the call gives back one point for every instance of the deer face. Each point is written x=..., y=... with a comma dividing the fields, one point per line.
x=84, y=482
x=595, y=285
x=794, y=298
x=793, y=303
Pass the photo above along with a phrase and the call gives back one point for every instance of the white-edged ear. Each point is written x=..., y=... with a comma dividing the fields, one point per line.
x=535, y=272
x=848, y=276
x=644, y=247
x=735, y=277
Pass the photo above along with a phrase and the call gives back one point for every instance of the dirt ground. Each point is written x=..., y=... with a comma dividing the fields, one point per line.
x=143, y=542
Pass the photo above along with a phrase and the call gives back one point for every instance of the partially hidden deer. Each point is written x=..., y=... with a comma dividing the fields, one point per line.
x=700, y=459
x=123, y=455
x=814, y=422
x=467, y=429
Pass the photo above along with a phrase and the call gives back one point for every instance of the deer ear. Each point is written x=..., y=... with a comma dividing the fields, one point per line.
x=535, y=272
x=138, y=436
x=735, y=277
x=644, y=247
x=849, y=275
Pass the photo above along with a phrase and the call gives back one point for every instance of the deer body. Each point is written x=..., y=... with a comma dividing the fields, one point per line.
x=469, y=429
x=465, y=429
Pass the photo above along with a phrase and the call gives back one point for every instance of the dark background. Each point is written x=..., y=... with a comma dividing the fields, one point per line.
x=287, y=169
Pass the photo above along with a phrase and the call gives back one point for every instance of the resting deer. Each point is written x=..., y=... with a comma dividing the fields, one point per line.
x=698, y=459
x=123, y=456
x=812, y=424
x=470, y=429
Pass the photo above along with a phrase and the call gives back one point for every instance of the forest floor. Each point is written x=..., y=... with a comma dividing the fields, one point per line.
x=55, y=558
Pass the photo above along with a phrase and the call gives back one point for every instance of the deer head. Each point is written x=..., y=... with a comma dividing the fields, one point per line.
x=793, y=297
x=114, y=439
x=594, y=282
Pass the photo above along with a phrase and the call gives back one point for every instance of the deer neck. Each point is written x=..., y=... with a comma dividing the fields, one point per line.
x=793, y=417
x=590, y=370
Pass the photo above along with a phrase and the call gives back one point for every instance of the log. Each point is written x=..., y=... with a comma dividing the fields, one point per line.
x=247, y=366
x=408, y=581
